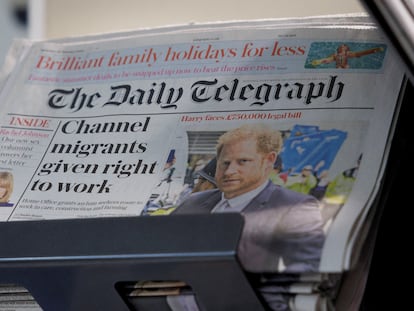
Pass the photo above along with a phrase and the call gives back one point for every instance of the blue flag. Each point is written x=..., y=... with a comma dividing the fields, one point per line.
x=310, y=147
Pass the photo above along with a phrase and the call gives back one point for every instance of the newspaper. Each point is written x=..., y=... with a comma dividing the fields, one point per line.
x=121, y=125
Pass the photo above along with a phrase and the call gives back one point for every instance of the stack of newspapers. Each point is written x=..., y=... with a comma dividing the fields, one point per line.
x=127, y=124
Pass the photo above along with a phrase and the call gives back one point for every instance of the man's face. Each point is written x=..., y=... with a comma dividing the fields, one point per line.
x=240, y=168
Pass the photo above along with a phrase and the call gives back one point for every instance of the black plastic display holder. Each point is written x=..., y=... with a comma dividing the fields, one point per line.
x=75, y=264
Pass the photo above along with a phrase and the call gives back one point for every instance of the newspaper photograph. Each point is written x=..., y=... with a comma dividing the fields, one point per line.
x=285, y=122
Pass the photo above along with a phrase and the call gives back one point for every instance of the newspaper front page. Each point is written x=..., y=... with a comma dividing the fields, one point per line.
x=124, y=124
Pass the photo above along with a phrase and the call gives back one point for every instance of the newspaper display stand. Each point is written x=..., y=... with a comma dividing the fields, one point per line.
x=75, y=264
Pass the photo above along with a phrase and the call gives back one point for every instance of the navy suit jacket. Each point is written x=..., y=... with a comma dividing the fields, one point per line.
x=283, y=229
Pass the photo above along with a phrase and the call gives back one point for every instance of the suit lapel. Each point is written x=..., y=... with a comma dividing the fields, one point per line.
x=211, y=201
x=261, y=199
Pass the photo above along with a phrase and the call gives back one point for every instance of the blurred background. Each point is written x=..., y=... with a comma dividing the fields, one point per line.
x=47, y=19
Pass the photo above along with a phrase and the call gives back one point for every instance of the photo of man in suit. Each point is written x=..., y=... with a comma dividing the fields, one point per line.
x=283, y=229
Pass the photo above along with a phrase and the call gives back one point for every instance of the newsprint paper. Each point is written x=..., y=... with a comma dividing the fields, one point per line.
x=127, y=124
